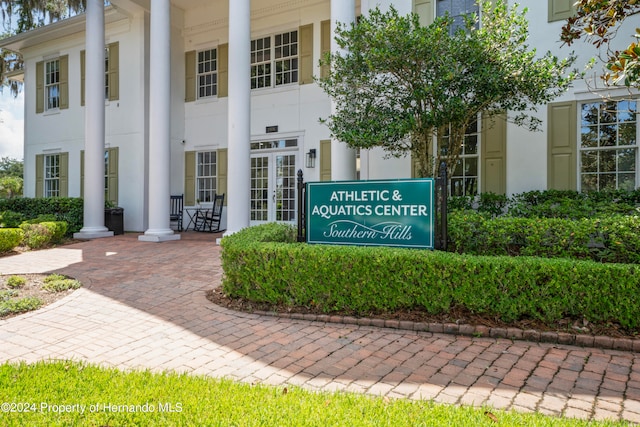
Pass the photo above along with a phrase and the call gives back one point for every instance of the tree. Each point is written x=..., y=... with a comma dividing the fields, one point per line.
x=10, y=186
x=30, y=14
x=11, y=172
x=11, y=167
x=598, y=21
x=400, y=83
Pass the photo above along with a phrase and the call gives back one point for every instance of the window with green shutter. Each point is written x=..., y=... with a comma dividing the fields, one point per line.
x=112, y=73
x=52, y=175
x=110, y=175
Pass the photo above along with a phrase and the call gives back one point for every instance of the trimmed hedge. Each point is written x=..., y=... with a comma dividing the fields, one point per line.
x=10, y=219
x=551, y=204
x=10, y=238
x=607, y=239
x=68, y=209
x=365, y=280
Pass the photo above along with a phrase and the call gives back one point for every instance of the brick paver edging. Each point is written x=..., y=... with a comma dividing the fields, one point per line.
x=604, y=342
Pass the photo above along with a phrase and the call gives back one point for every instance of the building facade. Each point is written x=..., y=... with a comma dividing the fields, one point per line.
x=141, y=99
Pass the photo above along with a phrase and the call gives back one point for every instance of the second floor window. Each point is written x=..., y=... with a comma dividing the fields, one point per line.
x=274, y=60
x=52, y=84
x=207, y=73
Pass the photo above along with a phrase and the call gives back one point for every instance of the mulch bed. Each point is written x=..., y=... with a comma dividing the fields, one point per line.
x=458, y=316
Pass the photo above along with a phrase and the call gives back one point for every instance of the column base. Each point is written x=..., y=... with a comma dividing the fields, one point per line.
x=90, y=233
x=158, y=236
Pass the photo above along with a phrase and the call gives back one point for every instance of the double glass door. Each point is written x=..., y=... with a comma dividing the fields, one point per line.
x=273, y=186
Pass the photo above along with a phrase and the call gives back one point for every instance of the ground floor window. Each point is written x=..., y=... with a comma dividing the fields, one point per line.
x=608, y=145
x=464, y=180
x=52, y=175
x=206, y=173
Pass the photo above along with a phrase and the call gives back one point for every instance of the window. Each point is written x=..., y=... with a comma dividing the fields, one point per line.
x=456, y=9
x=274, y=60
x=106, y=174
x=110, y=175
x=608, y=145
x=52, y=84
x=52, y=175
x=207, y=73
x=111, y=73
x=206, y=172
x=464, y=180
x=106, y=73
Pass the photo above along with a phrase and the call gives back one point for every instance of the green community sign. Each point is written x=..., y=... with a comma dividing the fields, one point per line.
x=371, y=213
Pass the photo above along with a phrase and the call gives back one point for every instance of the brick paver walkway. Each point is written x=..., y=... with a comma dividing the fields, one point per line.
x=144, y=306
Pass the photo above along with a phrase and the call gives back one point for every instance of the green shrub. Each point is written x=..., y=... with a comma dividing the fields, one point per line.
x=54, y=277
x=269, y=232
x=37, y=236
x=42, y=218
x=59, y=283
x=606, y=239
x=10, y=238
x=365, y=280
x=66, y=209
x=21, y=305
x=10, y=219
x=59, y=230
x=573, y=205
x=7, y=294
x=16, y=281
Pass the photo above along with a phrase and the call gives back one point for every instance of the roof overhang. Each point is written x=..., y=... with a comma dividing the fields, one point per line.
x=56, y=30
x=16, y=76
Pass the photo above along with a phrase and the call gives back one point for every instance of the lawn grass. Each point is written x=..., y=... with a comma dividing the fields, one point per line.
x=110, y=397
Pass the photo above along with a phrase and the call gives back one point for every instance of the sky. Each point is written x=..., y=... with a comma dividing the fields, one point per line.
x=11, y=125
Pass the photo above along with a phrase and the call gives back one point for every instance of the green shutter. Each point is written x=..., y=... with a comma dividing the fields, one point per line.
x=306, y=54
x=189, y=178
x=425, y=10
x=83, y=58
x=223, y=71
x=113, y=73
x=112, y=176
x=40, y=175
x=561, y=9
x=190, y=76
x=325, y=46
x=81, y=173
x=325, y=160
x=561, y=146
x=40, y=88
x=64, y=82
x=222, y=164
x=64, y=174
x=493, y=158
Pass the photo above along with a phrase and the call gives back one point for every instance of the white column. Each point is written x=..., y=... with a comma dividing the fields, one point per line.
x=239, y=122
x=159, y=124
x=343, y=158
x=93, y=226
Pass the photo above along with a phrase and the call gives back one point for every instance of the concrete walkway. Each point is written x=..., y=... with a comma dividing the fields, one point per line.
x=144, y=306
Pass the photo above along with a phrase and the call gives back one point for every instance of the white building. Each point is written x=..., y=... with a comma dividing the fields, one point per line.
x=216, y=96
